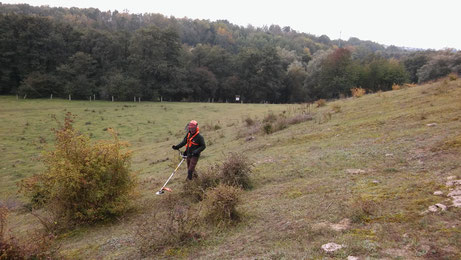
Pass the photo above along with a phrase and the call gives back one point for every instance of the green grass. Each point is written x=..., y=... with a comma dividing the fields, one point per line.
x=299, y=173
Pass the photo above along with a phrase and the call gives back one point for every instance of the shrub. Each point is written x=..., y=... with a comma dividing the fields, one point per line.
x=268, y=129
x=160, y=231
x=249, y=121
x=196, y=188
x=280, y=124
x=37, y=246
x=396, y=87
x=452, y=76
x=321, y=102
x=269, y=118
x=220, y=204
x=362, y=209
x=336, y=108
x=235, y=171
x=358, y=92
x=299, y=119
x=83, y=182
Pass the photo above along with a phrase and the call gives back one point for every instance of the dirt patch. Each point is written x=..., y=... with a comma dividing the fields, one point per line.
x=344, y=224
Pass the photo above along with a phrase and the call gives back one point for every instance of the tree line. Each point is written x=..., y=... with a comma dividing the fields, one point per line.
x=85, y=52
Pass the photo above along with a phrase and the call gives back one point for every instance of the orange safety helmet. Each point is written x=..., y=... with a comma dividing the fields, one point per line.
x=192, y=124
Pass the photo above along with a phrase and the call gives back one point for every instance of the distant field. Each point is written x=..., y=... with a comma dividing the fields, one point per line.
x=372, y=162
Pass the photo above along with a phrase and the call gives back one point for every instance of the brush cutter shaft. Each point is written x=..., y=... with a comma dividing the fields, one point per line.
x=172, y=174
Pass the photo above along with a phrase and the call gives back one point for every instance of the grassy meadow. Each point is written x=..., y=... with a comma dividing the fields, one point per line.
x=370, y=163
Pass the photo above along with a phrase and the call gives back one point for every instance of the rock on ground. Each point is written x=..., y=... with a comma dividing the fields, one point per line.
x=436, y=207
x=438, y=193
x=355, y=171
x=331, y=247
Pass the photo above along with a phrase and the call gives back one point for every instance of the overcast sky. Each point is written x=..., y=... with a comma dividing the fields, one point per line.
x=409, y=23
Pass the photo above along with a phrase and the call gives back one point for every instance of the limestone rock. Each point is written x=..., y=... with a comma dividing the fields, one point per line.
x=331, y=247
x=438, y=193
x=457, y=201
x=441, y=206
x=355, y=171
x=451, y=183
x=433, y=208
x=437, y=207
x=455, y=193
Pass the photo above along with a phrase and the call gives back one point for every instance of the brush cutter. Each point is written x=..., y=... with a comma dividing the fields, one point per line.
x=163, y=189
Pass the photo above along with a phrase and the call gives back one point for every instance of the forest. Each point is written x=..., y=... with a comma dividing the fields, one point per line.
x=87, y=53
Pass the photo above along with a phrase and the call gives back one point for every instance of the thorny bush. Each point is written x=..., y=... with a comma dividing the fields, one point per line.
x=158, y=231
x=83, y=182
x=196, y=188
x=38, y=244
x=236, y=170
x=220, y=204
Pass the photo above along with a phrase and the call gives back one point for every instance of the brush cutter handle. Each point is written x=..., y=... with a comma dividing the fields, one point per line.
x=182, y=155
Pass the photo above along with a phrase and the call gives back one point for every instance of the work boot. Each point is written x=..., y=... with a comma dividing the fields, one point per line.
x=189, y=175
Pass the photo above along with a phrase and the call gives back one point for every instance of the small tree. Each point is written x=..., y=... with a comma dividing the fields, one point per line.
x=83, y=182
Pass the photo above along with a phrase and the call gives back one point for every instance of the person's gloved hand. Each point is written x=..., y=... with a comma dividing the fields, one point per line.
x=175, y=147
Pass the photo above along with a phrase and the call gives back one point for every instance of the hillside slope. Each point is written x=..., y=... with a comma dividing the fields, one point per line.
x=362, y=176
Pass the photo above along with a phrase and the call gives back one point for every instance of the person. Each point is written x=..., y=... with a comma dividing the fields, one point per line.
x=195, y=144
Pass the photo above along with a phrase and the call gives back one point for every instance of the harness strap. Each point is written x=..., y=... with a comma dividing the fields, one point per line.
x=189, y=140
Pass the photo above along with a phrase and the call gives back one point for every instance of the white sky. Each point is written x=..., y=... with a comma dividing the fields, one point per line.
x=410, y=23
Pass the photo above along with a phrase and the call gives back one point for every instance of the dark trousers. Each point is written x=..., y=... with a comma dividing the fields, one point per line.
x=191, y=163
